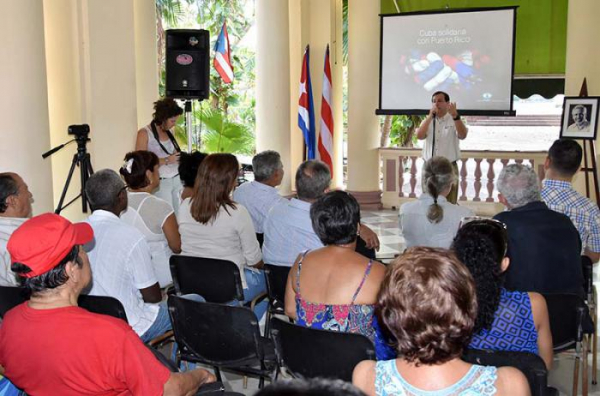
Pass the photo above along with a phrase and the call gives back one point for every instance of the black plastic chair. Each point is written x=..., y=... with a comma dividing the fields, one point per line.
x=569, y=323
x=218, y=281
x=276, y=279
x=530, y=364
x=222, y=336
x=592, y=302
x=310, y=353
x=11, y=296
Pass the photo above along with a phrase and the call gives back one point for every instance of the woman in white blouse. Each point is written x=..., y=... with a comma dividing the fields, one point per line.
x=151, y=215
x=213, y=225
x=431, y=220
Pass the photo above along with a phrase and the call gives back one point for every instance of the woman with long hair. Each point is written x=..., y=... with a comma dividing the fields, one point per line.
x=427, y=301
x=158, y=138
x=152, y=216
x=506, y=320
x=213, y=225
x=431, y=220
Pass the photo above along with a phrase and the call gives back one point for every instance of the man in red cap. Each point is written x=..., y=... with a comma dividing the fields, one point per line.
x=50, y=346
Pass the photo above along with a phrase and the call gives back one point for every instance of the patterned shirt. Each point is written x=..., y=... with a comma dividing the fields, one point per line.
x=560, y=196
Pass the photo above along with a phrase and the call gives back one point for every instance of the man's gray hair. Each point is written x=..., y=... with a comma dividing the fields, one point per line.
x=103, y=188
x=265, y=164
x=519, y=184
x=582, y=107
x=8, y=187
x=312, y=179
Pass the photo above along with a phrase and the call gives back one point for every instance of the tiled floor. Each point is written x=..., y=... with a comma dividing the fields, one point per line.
x=385, y=224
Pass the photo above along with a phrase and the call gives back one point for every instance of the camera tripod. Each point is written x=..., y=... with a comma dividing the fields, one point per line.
x=81, y=159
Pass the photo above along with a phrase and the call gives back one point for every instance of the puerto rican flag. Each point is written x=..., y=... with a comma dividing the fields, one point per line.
x=222, y=61
x=325, y=145
x=306, y=112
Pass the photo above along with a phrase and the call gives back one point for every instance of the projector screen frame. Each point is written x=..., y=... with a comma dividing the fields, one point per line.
x=511, y=112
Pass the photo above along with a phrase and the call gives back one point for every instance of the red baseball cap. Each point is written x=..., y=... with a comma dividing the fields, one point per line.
x=43, y=241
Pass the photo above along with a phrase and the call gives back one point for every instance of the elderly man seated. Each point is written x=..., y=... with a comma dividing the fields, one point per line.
x=120, y=258
x=15, y=208
x=543, y=245
x=260, y=195
x=288, y=228
x=50, y=346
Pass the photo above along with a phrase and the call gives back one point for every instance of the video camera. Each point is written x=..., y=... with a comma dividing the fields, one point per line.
x=79, y=130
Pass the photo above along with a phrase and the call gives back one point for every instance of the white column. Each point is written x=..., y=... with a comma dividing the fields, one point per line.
x=583, y=60
x=24, y=99
x=273, y=82
x=363, y=94
x=146, y=58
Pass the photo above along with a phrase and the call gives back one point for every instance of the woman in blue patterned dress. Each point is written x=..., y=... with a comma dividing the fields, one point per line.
x=334, y=288
x=506, y=320
x=427, y=301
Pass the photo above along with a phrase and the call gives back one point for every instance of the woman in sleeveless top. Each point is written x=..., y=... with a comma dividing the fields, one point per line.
x=432, y=220
x=152, y=216
x=335, y=288
x=158, y=138
x=506, y=320
x=427, y=301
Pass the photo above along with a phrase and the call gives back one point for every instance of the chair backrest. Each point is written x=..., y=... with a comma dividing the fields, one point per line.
x=103, y=305
x=313, y=353
x=216, y=334
x=532, y=366
x=10, y=297
x=567, y=313
x=276, y=277
x=587, y=267
x=216, y=280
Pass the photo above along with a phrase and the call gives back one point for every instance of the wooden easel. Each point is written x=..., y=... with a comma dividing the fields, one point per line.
x=587, y=168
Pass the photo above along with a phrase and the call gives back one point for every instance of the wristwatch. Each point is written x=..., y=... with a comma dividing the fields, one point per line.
x=456, y=118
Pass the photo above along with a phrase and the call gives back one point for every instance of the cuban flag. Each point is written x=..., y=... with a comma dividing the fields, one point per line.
x=306, y=112
x=325, y=145
x=222, y=61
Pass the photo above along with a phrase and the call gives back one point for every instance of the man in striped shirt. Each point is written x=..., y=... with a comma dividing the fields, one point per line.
x=562, y=163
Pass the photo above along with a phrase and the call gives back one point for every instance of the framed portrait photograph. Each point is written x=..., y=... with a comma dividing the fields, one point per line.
x=580, y=117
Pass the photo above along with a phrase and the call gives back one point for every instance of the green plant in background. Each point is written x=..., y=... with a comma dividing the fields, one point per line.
x=400, y=130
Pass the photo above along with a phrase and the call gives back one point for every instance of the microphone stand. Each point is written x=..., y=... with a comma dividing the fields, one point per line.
x=433, y=137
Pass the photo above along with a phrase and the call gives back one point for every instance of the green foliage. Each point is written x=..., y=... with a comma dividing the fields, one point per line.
x=223, y=136
x=402, y=130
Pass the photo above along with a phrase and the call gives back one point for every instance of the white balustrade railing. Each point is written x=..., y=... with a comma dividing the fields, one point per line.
x=478, y=170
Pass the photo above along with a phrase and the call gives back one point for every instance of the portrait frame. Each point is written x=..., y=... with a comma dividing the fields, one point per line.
x=586, y=106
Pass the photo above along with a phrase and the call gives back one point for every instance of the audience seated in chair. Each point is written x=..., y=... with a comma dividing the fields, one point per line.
x=188, y=169
x=506, y=320
x=333, y=287
x=15, y=209
x=432, y=220
x=543, y=245
x=50, y=346
x=213, y=226
x=562, y=164
x=120, y=258
x=151, y=215
x=428, y=302
x=260, y=195
x=288, y=228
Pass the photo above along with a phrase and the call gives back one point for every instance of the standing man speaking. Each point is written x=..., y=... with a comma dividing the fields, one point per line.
x=442, y=130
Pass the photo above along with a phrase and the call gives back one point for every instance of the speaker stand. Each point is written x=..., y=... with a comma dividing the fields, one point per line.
x=188, y=125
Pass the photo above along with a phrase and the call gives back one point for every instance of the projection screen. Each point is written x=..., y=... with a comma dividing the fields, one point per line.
x=468, y=53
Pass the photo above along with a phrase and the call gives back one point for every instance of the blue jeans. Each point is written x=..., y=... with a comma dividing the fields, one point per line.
x=256, y=285
x=161, y=324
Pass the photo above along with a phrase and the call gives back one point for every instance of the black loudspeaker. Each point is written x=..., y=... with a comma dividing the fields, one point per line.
x=187, y=68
